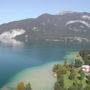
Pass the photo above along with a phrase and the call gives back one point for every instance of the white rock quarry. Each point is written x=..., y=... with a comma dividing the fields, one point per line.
x=8, y=37
x=35, y=29
x=12, y=34
x=76, y=21
x=86, y=17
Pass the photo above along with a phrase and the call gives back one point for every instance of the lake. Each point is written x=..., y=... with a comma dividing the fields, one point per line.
x=32, y=56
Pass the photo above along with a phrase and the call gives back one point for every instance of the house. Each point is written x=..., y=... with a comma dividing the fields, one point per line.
x=86, y=68
x=88, y=55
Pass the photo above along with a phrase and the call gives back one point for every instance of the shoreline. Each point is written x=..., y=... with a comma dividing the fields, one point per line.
x=38, y=76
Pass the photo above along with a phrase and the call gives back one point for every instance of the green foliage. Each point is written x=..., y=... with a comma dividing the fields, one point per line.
x=80, y=86
x=61, y=83
x=28, y=87
x=21, y=86
x=82, y=74
x=72, y=74
x=87, y=61
x=72, y=88
x=71, y=66
x=85, y=54
x=78, y=63
x=76, y=86
x=88, y=79
x=64, y=71
x=67, y=74
x=57, y=68
x=87, y=87
x=59, y=76
x=60, y=69
x=57, y=86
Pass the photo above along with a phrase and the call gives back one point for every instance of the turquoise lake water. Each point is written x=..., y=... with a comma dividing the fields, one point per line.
x=14, y=59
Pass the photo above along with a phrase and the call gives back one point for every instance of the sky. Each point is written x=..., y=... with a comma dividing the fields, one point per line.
x=13, y=10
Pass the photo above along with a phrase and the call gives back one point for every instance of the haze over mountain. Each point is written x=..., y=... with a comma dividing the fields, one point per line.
x=67, y=25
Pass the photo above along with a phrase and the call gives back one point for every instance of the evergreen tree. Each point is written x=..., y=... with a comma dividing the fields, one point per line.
x=88, y=77
x=82, y=74
x=57, y=68
x=72, y=76
x=59, y=76
x=78, y=63
x=57, y=86
x=28, y=87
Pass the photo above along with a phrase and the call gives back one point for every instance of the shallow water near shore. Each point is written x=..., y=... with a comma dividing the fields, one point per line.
x=24, y=63
x=41, y=77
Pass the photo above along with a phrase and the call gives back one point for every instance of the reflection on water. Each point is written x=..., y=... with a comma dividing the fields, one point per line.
x=12, y=42
x=8, y=37
x=41, y=77
x=33, y=54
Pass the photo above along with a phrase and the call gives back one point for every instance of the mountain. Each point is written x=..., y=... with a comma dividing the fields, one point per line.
x=67, y=25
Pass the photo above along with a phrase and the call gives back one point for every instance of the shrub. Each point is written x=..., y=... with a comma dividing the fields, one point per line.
x=78, y=63
x=72, y=76
x=88, y=79
x=20, y=86
x=28, y=87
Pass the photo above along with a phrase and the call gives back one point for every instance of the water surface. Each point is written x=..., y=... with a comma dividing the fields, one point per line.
x=16, y=59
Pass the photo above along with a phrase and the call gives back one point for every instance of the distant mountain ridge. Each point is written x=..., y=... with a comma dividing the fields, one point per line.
x=65, y=25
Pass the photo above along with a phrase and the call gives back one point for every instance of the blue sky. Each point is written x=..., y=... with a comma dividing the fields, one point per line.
x=12, y=10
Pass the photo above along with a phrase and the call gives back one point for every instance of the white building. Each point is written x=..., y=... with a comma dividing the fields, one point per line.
x=86, y=68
